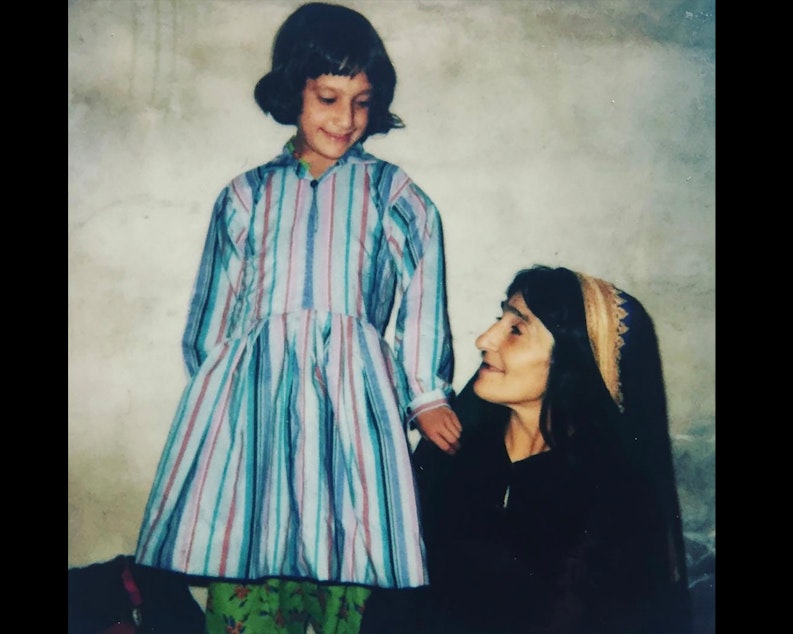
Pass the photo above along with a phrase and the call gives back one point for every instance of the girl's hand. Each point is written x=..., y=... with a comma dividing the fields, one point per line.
x=441, y=426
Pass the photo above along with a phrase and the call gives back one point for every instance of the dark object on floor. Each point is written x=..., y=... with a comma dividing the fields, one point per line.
x=121, y=597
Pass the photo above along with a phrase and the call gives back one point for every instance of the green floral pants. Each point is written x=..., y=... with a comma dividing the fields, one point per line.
x=282, y=606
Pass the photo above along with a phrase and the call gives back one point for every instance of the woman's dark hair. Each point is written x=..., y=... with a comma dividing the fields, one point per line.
x=327, y=39
x=580, y=415
x=577, y=408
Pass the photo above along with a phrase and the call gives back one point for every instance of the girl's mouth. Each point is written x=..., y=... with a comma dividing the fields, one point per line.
x=339, y=138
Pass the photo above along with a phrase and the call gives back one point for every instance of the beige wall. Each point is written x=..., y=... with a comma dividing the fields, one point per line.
x=575, y=132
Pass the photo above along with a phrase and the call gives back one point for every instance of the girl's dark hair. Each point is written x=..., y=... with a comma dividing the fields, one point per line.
x=578, y=410
x=327, y=39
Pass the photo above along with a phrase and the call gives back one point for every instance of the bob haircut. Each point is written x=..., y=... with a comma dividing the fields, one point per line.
x=577, y=404
x=327, y=39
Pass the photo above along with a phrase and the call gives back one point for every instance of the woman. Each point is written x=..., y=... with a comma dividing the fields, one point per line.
x=559, y=513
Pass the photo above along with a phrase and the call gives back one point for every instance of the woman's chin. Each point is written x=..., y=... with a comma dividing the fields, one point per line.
x=480, y=387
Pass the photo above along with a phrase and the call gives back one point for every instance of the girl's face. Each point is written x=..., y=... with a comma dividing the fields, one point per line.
x=516, y=358
x=334, y=116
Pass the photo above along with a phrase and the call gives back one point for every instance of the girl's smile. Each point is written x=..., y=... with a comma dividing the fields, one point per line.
x=333, y=118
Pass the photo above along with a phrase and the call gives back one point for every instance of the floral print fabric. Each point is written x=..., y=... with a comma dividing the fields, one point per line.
x=284, y=606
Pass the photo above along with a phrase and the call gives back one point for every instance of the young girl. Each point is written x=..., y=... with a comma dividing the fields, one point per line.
x=286, y=476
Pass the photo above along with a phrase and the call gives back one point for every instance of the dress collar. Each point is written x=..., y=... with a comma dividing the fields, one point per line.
x=356, y=154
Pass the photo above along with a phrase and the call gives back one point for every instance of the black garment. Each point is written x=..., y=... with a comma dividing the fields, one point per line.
x=591, y=540
x=574, y=548
x=99, y=598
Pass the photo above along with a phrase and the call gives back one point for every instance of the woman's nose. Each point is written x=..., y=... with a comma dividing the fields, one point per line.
x=488, y=340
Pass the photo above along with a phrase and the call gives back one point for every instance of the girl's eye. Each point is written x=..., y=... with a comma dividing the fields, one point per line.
x=327, y=100
x=363, y=104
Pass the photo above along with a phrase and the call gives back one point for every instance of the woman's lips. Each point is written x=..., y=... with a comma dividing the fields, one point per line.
x=486, y=367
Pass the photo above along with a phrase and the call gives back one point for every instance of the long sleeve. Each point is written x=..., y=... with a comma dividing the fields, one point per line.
x=287, y=453
x=422, y=339
x=218, y=282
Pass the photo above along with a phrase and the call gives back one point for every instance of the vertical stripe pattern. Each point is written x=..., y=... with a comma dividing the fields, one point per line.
x=287, y=453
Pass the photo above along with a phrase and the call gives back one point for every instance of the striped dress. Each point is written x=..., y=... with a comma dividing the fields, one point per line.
x=287, y=455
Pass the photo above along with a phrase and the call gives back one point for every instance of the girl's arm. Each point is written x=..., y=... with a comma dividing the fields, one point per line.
x=216, y=288
x=423, y=341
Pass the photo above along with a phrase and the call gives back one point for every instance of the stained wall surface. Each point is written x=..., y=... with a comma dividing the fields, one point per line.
x=565, y=132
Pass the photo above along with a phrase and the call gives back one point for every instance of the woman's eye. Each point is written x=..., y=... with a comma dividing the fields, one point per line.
x=327, y=100
x=362, y=104
x=514, y=329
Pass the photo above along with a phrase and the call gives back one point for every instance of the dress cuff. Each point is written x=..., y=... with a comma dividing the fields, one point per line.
x=424, y=403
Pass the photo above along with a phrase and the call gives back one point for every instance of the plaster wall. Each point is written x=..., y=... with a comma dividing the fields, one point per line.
x=565, y=132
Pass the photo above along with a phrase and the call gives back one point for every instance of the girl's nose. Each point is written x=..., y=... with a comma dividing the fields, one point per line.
x=344, y=114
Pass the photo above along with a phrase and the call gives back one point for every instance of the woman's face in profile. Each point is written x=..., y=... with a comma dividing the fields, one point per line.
x=516, y=357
